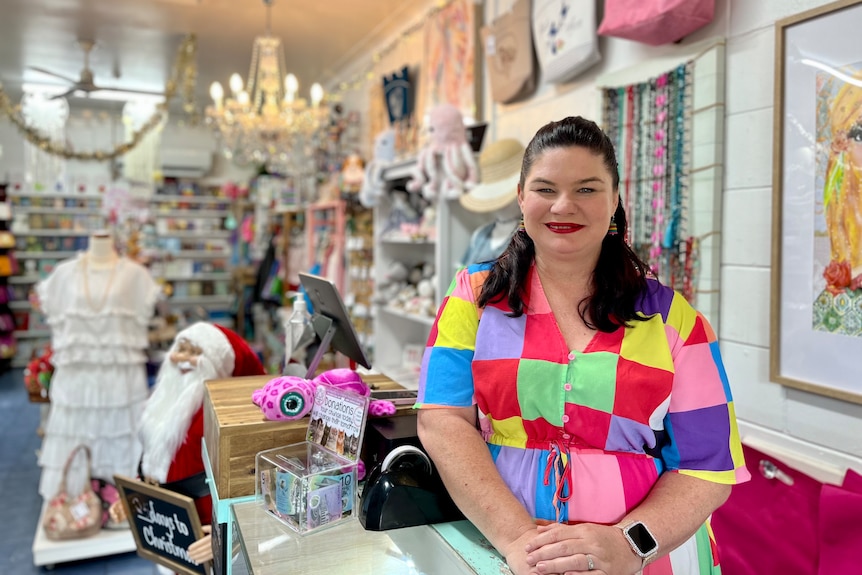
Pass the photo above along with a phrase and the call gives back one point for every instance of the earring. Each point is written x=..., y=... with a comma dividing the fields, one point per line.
x=612, y=229
x=521, y=227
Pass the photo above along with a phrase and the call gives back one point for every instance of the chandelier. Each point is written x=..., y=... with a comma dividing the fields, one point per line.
x=264, y=121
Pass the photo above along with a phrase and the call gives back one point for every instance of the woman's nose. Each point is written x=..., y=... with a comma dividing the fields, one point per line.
x=563, y=204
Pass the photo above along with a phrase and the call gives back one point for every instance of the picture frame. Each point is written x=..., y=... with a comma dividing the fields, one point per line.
x=163, y=523
x=816, y=299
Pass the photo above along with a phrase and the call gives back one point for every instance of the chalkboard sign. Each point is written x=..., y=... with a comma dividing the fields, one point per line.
x=163, y=523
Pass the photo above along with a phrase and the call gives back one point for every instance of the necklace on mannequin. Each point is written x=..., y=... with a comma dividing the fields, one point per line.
x=86, y=280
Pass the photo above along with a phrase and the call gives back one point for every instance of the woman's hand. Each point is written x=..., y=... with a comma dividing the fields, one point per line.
x=516, y=554
x=559, y=548
x=201, y=551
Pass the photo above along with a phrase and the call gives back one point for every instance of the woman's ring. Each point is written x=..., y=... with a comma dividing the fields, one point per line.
x=590, y=564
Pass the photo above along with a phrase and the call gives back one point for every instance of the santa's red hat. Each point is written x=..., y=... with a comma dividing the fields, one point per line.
x=230, y=353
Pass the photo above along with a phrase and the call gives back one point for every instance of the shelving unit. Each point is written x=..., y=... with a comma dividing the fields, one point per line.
x=400, y=336
x=49, y=227
x=193, y=246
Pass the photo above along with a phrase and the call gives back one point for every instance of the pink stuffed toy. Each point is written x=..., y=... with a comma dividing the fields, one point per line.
x=285, y=398
x=290, y=397
x=445, y=166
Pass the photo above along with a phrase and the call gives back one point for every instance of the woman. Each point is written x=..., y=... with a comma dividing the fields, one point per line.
x=589, y=406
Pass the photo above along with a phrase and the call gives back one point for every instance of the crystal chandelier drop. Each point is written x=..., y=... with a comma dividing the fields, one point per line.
x=264, y=121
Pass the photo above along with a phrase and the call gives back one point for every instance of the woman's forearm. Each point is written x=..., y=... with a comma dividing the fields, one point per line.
x=470, y=476
x=676, y=508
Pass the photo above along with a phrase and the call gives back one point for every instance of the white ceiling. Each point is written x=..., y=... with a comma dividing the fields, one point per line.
x=136, y=39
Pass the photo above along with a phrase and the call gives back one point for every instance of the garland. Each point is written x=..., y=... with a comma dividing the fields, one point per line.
x=183, y=72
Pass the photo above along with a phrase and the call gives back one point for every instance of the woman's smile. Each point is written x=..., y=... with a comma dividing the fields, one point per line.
x=563, y=228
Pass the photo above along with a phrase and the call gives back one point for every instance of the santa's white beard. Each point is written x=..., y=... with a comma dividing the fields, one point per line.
x=168, y=414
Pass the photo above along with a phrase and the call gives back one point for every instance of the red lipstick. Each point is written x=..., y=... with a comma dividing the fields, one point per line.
x=563, y=228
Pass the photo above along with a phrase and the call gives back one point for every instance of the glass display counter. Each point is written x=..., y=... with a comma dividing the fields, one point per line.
x=268, y=547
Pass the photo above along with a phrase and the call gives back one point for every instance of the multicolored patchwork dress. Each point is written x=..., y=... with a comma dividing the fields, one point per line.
x=582, y=436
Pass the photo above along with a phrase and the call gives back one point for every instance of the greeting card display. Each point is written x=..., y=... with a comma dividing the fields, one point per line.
x=312, y=484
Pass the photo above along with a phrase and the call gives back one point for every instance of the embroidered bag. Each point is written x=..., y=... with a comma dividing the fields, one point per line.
x=76, y=517
x=565, y=37
x=655, y=22
x=509, y=54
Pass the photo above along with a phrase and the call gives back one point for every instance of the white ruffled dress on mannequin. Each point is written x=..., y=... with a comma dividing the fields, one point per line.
x=98, y=306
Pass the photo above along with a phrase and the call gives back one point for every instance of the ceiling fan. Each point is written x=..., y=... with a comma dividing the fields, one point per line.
x=85, y=83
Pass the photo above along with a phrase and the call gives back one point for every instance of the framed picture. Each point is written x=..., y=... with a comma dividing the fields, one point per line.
x=163, y=523
x=816, y=335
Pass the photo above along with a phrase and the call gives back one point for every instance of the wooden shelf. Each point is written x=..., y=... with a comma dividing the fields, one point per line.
x=45, y=255
x=423, y=319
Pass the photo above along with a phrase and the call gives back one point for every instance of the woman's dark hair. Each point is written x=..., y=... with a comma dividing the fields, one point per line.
x=620, y=276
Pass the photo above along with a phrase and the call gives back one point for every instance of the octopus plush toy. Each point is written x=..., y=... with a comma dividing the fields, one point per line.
x=445, y=166
x=373, y=186
x=290, y=397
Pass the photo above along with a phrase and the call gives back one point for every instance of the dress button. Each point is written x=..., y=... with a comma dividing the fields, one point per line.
x=565, y=419
x=566, y=436
x=571, y=356
x=568, y=387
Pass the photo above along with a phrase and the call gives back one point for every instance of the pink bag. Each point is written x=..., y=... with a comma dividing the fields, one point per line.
x=655, y=22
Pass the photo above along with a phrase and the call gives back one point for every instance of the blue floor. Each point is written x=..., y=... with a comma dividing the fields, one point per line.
x=20, y=502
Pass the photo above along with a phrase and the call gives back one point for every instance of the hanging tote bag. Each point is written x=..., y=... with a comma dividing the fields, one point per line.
x=509, y=56
x=73, y=517
x=564, y=33
x=655, y=22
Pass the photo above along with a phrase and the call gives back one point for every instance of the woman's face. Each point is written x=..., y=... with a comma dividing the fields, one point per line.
x=567, y=201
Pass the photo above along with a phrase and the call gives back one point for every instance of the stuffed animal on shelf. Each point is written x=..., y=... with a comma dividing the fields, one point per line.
x=373, y=186
x=352, y=174
x=445, y=166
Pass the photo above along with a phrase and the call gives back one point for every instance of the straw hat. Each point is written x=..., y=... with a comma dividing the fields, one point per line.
x=500, y=170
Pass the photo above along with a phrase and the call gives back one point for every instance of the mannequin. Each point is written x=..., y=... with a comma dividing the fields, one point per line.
x=100, y=251
x=98, y=305
x=489, y=240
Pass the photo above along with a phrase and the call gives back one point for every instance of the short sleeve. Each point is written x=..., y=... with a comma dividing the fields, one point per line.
x=446, y=379
x=148, y=293
x=701, y=421
x=46, y=292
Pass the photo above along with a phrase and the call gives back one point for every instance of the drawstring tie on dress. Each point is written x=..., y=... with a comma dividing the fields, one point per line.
x=558, y=462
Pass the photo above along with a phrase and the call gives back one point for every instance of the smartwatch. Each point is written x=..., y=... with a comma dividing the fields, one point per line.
x=642, y=541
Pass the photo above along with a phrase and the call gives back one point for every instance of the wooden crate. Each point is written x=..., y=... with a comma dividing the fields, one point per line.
x=235, y=430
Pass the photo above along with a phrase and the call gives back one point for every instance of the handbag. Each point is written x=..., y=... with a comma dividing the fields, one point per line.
x=655, y=22
x=509, y=55
x=565, y=37
x=73, y=517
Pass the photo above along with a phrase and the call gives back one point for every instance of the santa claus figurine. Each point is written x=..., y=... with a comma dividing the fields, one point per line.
x=172, y=425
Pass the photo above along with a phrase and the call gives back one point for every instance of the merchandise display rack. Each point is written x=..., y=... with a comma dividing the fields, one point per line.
x=49, y=227
x=399, y=335
x=194, y=247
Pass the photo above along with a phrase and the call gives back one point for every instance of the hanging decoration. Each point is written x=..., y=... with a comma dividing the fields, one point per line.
x=650, y=124
x=183, y=77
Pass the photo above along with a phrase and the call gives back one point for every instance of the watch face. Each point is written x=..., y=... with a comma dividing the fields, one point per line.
x=641, y=538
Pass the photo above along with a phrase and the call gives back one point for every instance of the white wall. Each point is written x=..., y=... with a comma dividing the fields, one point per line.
x=817, y=434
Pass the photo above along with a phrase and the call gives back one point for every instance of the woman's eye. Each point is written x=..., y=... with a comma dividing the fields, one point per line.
x=855, y=133
x=586, y=190
x=545, y=191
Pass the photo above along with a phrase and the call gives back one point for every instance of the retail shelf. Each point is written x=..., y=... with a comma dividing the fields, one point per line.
x=20, y=304
x=407, y=376
x=53, y=233
x=195, y=234
x=199, y=254
x=407, y=240
x=19, y=210
x=424, y=319
x=399, y=169
x=195, y=277
x=201, y=299
x=63, y=195
x=59, y=255
x=23, y=279
x=31, y=333
x=190, y=214
x=191, y=199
